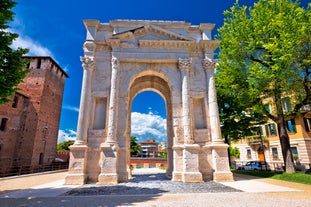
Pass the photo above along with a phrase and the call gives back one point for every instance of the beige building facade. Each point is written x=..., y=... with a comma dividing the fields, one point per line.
x=123, y=58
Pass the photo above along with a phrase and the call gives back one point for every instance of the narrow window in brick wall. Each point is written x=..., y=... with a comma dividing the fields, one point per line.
x=39, y=63
x=3, y=124
x=15, y=102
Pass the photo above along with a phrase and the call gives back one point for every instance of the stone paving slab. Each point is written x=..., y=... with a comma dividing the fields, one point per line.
x=54, y=193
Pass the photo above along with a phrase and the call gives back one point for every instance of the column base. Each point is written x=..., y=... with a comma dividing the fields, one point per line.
x=192, y=177
x=177, y=177
x=75, y=179
x=124, y=176
x=223, y=176
x=108, y=178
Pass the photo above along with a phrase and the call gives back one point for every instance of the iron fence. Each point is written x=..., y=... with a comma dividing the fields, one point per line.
x=23, y=170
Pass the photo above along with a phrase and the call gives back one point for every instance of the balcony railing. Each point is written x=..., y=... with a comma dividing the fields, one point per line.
x=256, y=139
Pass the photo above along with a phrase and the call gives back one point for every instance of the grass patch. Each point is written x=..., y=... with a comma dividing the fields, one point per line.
x=263, y=174
x=294, y=177
x=297, y=177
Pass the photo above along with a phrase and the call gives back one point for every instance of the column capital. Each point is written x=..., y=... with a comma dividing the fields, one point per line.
x=209, y=64
x=115, y=62
x=87, y=63
x=184, y=63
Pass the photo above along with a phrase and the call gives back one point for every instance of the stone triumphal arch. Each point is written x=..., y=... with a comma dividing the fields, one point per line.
x=125, y=57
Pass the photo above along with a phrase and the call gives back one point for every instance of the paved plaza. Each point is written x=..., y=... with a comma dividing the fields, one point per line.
x=152, y=188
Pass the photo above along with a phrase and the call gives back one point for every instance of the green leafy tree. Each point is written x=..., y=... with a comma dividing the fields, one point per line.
x=135, y=147
x=12, y=66
x=162, y=154
x=236, y=116
x=64, y=146
x=265, y=54
x=234, y=151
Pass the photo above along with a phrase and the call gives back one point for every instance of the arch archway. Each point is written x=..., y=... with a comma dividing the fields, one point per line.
x=123, y=58
x=153, y=82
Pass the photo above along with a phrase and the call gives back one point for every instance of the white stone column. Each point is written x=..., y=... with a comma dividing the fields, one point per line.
x=78, y=152
x=85, y=101
x=185, y=66
x=219, y=148
x=113, y=101
x=110, y=149
x=209, y=67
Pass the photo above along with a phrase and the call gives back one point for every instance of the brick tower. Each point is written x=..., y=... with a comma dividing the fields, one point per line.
x=30, y=124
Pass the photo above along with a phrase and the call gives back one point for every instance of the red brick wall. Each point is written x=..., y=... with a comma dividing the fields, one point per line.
x=38, y=122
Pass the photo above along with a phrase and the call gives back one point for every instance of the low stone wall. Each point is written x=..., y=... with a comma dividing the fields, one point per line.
x=148, y=163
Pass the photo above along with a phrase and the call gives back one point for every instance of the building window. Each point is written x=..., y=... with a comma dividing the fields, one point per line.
x=257, y=131
x=267, y=107
x=294, y=153
x=307, y=122
x=270, y=129
x=290, y=125
x=275, y=154
x=38, y=63
x=249, y=154
x=41, y=159
x=15, y=102
x=3, y=124
x=286, y=105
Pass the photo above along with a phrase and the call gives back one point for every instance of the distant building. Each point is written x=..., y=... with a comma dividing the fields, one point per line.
x=149, y=148
x=265, y=145
x=29, y=124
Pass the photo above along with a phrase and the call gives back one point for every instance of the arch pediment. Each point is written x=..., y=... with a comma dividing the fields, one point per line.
x=150, y=32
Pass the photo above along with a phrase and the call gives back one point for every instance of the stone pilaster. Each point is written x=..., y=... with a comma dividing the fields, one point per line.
x=219, y=149
x=108, y=162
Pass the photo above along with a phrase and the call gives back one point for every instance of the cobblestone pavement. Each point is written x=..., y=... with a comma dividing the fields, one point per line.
x=150, y=184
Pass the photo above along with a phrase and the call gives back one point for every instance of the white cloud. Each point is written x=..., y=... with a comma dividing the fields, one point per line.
x=148, y=126
x=66, y=135
x=71, y=108
x=34, y=47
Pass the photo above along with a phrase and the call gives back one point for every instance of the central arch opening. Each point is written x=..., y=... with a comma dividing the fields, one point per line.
x=151, y=124
x=148, y=131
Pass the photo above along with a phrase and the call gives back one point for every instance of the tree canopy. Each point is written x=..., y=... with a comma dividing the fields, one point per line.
x=64, y=146
x=264, y=56
x=12, y=66
x=135, y=147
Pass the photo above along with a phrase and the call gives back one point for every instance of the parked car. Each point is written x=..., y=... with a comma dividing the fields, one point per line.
x=256, y=165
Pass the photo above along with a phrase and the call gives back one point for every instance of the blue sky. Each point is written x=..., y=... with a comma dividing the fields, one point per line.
x=55, y=28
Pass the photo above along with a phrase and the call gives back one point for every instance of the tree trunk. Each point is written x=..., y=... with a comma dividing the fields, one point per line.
x=284, y=138
x=227, y=142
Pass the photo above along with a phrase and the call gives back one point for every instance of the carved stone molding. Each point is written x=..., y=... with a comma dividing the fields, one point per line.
x=87, y=63
x=209, y=64
x=184, y=63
